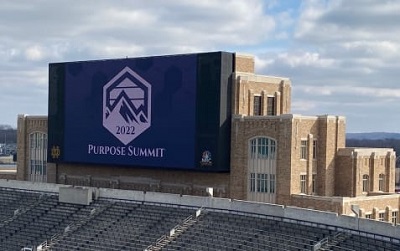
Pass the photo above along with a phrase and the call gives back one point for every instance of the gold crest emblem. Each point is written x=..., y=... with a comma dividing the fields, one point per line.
x=55, y=152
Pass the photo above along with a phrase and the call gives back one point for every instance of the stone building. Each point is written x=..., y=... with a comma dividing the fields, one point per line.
x=276, y=157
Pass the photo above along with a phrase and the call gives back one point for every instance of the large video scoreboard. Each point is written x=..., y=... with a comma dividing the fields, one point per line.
x=158, y=112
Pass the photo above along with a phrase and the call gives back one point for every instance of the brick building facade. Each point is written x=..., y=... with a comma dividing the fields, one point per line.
x=276, y=157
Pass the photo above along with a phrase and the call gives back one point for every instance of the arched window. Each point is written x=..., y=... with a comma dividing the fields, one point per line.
x=262, y=148
x=365, y=183
x=262, y=169
x=38, y=156
x=381, y=182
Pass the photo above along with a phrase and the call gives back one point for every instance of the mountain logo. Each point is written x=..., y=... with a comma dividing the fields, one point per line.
x=127, y=105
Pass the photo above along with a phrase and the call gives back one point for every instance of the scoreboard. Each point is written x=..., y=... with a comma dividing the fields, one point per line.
x=158, y=112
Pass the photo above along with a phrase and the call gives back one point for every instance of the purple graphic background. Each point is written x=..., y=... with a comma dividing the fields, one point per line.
x=173, y=94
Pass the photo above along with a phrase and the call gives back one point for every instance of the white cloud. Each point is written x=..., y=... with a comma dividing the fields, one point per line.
x=34, y=53
x=157, y=25
x=350, y=91
x=303, y=106
x=319, y=90
x=327, y=21
x=261, y=63
x=297, y=59
x=376, y=92
x=374, y=49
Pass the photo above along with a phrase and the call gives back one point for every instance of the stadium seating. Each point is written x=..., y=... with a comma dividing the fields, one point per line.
x=30, y=219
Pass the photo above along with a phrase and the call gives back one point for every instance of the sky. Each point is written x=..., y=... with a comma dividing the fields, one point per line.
x=343, y=57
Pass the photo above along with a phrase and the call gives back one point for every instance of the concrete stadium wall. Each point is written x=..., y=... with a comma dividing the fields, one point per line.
x=310, y=215
x=295, y=213
x=33, y=186
x=299, y=214
x=76, y=195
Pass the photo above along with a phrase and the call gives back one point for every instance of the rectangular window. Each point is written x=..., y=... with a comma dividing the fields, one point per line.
x=368, y=216
x=253, y=153
x=271, y=106
x=365, y=183
x=33, y=166
x=303, y=183
x=32, y=140
x=257, y=105
x=381, y=183
x=44, y=165
x=38, y=157
x=272, y=183
x=314, y=149
x=262, y=148
x=273, y=148
x=381, y=216
x=303, y=149
x=252, y=182
x=394, y=218
x=262, y=180
x=314, y=185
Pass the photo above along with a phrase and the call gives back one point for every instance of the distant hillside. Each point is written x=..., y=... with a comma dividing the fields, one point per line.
x=373, y=135
x=376, y=140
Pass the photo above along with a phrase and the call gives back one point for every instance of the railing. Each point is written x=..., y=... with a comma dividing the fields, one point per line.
x=73, y=227
x=22, y=210
x=321, y=243
x=330, y=241
x=174, y=232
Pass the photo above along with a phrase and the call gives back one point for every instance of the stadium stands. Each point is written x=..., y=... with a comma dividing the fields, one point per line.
x=38, y=220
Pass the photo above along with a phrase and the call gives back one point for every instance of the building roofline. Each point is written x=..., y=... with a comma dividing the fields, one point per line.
x=247, y=76
x=288, y=116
